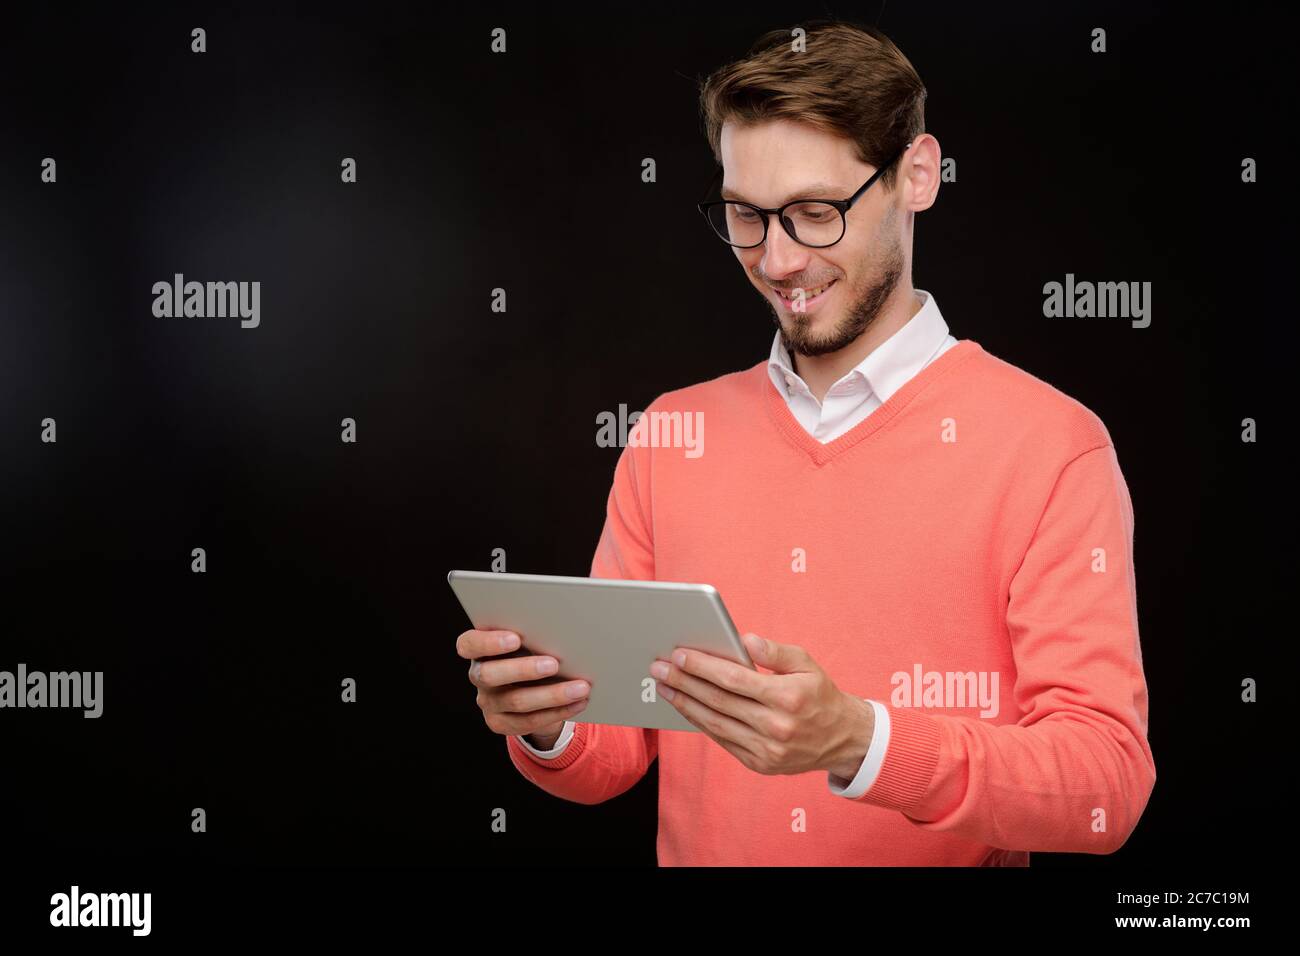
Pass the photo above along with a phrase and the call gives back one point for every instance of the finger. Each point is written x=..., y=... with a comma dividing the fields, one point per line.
x=745, y=709
x=718, y=726
x=526, y=700
x=527, y=723
x=724, y=673
x=476, y=643
x=491, y=672
x=781, y=658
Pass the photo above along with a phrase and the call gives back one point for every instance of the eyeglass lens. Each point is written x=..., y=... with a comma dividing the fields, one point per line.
x=812, y=223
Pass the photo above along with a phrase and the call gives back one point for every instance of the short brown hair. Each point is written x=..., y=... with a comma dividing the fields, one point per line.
x=850, y=80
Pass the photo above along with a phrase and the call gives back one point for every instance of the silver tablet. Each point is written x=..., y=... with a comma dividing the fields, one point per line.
x=607, y=631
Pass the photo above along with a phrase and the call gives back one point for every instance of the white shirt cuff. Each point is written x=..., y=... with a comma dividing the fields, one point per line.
x=871, y=763
x=561, y=742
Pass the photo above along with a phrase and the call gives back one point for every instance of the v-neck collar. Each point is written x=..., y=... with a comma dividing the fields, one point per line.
x=820, y=452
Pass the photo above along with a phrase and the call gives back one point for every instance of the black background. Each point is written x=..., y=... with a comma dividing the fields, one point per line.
x=476, y=429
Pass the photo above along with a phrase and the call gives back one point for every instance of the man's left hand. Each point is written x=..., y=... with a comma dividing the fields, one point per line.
x=791, y=720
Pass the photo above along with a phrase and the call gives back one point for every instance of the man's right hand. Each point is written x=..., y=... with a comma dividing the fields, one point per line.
x=510, y=704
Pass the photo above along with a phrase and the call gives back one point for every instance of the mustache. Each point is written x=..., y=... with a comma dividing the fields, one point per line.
x=799, y=285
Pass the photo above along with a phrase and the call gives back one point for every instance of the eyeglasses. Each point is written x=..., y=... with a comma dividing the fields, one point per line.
x=817, y=223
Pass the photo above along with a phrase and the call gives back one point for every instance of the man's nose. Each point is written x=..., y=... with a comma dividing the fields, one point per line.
x=783, y=254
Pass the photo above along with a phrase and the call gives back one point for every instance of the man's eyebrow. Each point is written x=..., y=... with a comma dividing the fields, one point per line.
x=811, y=191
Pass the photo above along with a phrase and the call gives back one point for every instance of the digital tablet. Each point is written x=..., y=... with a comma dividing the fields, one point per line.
x=607, y=631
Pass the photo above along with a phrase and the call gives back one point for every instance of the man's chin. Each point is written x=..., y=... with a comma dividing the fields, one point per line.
x=807, y=335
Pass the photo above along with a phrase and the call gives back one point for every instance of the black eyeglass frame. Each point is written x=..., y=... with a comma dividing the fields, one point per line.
x=843, y=205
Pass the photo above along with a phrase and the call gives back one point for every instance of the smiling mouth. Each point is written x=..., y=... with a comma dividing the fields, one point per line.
x=810, y=295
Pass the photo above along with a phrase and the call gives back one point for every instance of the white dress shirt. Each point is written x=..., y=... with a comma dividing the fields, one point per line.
x=866, y=387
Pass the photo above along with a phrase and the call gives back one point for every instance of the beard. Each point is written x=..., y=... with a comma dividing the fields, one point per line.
x=865, y=304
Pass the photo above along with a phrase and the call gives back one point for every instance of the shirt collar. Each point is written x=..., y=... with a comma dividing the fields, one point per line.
x=889, y=366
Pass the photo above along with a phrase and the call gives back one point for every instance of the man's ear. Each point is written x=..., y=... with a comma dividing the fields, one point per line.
x=919, y=171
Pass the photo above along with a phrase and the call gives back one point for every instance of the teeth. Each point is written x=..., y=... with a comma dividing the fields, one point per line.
x=808, y=293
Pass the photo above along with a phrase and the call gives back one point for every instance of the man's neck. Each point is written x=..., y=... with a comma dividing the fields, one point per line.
x=823, y=371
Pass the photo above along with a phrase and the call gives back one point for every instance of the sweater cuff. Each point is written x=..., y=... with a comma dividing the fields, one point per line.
x=577, y=745
x=560, y=745
x=913, y=754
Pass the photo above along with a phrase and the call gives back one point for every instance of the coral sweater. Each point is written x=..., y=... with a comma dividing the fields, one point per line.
x=973, y=530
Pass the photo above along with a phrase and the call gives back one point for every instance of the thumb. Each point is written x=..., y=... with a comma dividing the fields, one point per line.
x=779, y=658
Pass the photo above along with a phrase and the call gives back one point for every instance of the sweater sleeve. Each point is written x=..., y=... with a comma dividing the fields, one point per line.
x=1075, y=772
x=603, y=760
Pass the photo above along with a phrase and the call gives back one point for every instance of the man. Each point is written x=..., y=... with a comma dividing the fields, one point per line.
x=935, y=546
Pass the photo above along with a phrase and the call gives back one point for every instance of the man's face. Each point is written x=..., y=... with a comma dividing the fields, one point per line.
x=773, y=162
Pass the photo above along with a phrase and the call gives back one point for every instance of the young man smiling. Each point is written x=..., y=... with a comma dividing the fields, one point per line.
x=879, y=499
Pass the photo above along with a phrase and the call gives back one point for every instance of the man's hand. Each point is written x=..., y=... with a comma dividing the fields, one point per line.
x=513, y=691
x=789, y=721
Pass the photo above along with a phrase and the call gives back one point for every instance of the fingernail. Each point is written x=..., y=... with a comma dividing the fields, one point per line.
x=547, y=665
x=509, y=641
x=659, y=669
x=667, y=692
x=578, y=689
x=679, y=658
